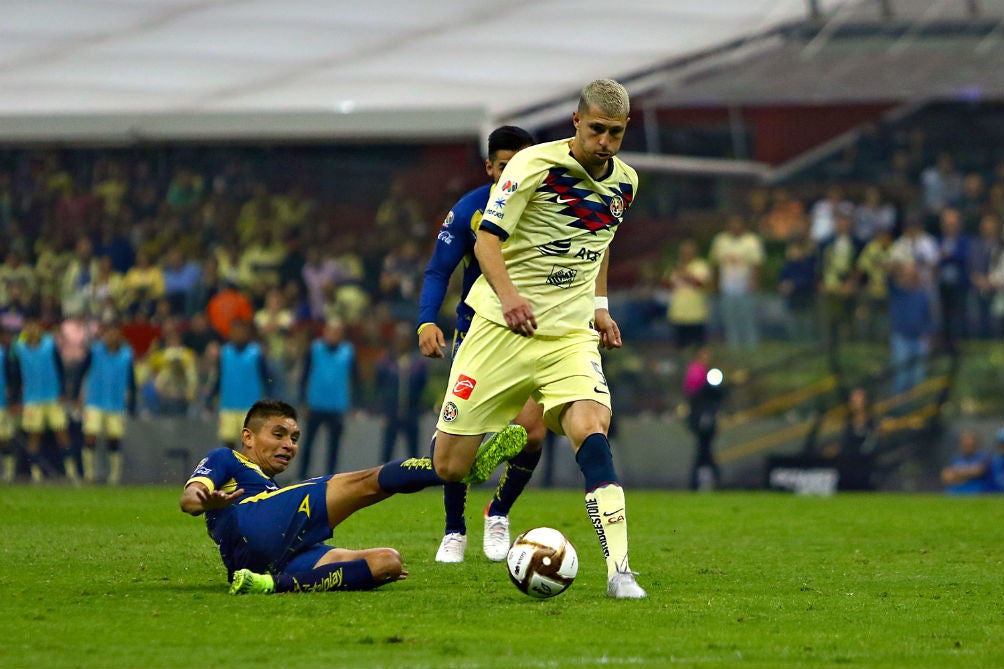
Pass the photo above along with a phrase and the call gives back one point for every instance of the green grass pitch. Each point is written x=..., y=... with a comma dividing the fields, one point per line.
x=110, y=578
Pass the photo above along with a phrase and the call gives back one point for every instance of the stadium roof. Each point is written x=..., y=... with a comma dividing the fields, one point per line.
x=121, y=70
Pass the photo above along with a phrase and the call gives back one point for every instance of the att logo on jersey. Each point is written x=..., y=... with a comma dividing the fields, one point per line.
x=587, y=255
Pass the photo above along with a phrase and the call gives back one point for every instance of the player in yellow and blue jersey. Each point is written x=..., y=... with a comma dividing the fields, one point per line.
x=8, y=390
x=541, y=312
x=455, y=245
x=271, y=538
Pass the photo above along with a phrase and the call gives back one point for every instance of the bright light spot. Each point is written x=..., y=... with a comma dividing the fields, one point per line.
x=715, y=377
x=346, y=106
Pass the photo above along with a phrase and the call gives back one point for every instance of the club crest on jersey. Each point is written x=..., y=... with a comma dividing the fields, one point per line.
x=562, y=277
x=617, y=206
x=450, y=412
x=464, y=387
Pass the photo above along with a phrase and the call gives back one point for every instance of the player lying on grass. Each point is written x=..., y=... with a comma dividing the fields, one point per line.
x=271, y=539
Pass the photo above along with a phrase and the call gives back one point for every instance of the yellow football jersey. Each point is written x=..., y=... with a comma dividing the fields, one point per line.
x=556, y=222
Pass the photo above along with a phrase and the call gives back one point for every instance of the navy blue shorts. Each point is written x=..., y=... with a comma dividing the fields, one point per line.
x=280, y=531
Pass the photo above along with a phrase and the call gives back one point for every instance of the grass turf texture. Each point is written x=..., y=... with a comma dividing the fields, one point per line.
x=120, y=578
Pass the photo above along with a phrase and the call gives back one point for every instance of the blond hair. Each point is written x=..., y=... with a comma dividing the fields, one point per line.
x=607, y=96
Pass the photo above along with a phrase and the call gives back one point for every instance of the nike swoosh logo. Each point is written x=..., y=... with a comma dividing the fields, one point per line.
x=598, y=390
x=613, y=513
x=567, y=200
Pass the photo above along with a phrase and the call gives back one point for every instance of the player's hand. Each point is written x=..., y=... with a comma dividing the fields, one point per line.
x=519, y=315
x=610, y=334
x=431, y=341
x=217, y=499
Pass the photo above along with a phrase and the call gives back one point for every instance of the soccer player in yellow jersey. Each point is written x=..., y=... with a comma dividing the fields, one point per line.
x=541, y=308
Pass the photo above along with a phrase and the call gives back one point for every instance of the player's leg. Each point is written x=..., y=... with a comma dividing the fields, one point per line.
x=115, y=431
x=335, y=424
x=306, y=444
x=33, y=425
x=454, y=543
x=337, y=569
x=7, y=451
x=92, y=429
x=496, y=539
x=586, y=422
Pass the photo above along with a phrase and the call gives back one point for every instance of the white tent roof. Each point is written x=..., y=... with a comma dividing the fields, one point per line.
x=121, y=69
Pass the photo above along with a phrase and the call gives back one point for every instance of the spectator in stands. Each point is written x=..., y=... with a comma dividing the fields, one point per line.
x=953, y=278
x=77, y=277
x=785, y=215
x=689, y=282
x=318, y=276
x=873, y=215
x=16, y=307
x=400, y=279
x=105, y=296
x=142, y=285
x=259, y=265
x=15, y=269
x=174, y=368
x=199, y=335
x=274, y=323
x=838, y=256
x=293, y=209
x=329, y=370
x=919, y=248
x=736, y=256
x=872, y=314
x=400, y=380
x=984, y=253
x=181, y=279
x=184, y=192
x=968, y=471
x=823, y=214
x=111, y=188
x=399, y=216
x=972, y=203
x=75, y=209
x=243, y=378
x=858, y=435
x=256, y=215
x=942, y=184
x=911, y=322
x=226, y=306
x=797, y=286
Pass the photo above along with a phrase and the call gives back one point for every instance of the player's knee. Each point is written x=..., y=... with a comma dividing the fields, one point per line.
x=535, y=435
x=385, y=564
x=450, y=470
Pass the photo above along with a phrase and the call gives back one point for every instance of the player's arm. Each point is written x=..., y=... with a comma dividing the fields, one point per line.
x=610, y=334
x=515, y=308
x=447, y=254
x=197, y=498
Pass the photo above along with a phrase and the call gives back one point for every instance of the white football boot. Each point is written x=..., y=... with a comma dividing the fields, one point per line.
x=623, y=586
x=452, y=548
x=496, y=538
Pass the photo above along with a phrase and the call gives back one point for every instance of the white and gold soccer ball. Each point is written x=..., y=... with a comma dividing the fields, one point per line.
x=542, y=562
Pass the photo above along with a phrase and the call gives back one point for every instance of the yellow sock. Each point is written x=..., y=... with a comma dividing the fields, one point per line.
x=606, y=510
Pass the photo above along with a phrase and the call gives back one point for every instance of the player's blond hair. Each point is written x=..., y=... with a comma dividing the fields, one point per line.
x=607, y=96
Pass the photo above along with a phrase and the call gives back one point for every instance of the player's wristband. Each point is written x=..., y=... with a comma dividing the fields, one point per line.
x=601, y=302
x=422, y=327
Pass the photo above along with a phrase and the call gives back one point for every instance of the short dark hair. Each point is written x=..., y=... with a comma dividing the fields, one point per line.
x=267, y=408
x=508, y=138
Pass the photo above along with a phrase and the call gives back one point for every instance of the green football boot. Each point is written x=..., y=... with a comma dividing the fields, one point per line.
x=246, y=582
x=503, y=445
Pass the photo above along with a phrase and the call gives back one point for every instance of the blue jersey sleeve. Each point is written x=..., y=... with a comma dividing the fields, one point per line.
x=215, y=470
x=455, y=241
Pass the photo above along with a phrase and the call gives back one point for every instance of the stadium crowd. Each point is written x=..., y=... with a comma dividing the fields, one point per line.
x=892, y=242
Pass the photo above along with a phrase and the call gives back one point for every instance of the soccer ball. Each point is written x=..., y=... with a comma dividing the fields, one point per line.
x=542, y=562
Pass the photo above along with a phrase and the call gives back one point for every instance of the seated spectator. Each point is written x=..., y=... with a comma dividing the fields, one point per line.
x=873, y=303
x=14, y=310
x=111, y=189
x=873, y=215
x=181, y=279
x=785, y=215
x=227, y=305
x=199, y=335
x=15, y=269
x=399, y=216
x=984, y=252
x=184, y=192
x=259, y=265
x=293, y=209
x=77, y=277
x=400, y=279
x=143, y=285
x=797, y=286
x=968, y=472
x=942, y=184
x=823, y=214
x=256, y=215
x=319, y=277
